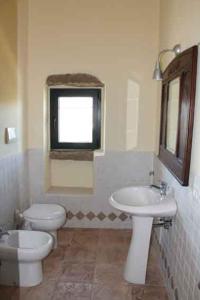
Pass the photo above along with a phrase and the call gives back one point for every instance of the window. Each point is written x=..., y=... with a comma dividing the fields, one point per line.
x=75, y=118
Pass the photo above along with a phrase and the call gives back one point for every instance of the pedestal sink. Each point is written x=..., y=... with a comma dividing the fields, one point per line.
x=143, y=204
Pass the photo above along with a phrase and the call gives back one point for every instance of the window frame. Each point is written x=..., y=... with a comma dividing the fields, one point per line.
x=95, y=93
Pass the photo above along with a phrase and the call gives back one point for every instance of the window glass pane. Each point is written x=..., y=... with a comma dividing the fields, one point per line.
x=75, y=119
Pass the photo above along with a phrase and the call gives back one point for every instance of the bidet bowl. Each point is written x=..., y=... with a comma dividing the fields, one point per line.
x=32, y=245
x=21, y=253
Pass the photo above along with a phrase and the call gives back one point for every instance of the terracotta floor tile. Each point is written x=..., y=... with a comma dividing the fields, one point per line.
x=52, y=268
x=78, y=272
x=20, y=294
x=79, y=252
x=154, y=276
x=152, y=260
x=65, y=237
x=86, y=238
x=111, y=292
x=72, y=291
x=85, y=233
x=109, y=273
x=137, y=292
x=7, y=292
x=114, y=236
x=59, y=252
x=113, y=246
x=155, y=293
x=127, y=236
x=44, y=291
x=111, y=253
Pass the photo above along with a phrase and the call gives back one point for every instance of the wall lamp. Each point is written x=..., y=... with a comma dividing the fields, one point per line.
x=157, y=74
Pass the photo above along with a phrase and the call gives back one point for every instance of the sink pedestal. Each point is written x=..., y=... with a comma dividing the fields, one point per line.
x=143, y=204
x=136, y=263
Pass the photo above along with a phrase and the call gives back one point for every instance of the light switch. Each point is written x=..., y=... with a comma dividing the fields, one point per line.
x=10, y=135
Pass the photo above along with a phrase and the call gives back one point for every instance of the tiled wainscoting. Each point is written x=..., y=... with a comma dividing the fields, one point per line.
x=100, y=217
x=112, y=171
x=180, y=245
x=165, y=269
x=13, y=187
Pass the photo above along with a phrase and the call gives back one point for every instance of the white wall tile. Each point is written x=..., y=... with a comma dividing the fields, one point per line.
x=114, y=170
x=13, y=187
x=181, y=244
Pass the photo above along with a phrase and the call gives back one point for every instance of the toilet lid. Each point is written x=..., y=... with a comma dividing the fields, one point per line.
x=44, y=211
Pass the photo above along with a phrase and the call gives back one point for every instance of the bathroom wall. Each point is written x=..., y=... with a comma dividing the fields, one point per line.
x=108, y=39
x=117, y=42
x=114, y=40
x=13, y=190
x=180, y=23
x=8, y=110
x=114, y=170
x=8, y=74
x=180, y=245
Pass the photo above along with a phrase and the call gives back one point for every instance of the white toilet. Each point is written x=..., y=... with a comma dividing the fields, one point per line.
x=46, y=217
x=21, y=254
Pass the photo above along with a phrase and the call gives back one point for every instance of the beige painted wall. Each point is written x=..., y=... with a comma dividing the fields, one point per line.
x=180, y=23
x=71, y=173
x=115, y=40
x=9, y=106
x=22, y=68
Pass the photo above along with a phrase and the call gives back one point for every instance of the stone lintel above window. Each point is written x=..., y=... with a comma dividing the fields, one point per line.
x=75, y=79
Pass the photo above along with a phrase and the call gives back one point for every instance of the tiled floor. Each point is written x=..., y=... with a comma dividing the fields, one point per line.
x=88, y=265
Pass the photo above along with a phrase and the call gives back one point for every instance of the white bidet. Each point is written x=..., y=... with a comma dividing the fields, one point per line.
x=21, y=254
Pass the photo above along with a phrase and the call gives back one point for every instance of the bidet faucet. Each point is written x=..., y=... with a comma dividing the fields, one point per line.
x=2, y=232
x=163, y=188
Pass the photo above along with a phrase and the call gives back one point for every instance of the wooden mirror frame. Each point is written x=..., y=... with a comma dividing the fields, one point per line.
x=184, y=66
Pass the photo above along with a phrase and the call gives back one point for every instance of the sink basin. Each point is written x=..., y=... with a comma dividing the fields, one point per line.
x=143, y=204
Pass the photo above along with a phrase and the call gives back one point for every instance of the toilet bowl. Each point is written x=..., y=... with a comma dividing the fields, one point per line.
x=21, y=254
x=46, y=217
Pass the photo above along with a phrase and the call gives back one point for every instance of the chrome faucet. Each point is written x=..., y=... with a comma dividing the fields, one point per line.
x=2, y=232
x=162, y=188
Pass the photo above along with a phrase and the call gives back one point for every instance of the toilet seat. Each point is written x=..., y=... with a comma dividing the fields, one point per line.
x=45, y=217
x=44, y=212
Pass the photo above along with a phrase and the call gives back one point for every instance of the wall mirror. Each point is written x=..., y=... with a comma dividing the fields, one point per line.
x=172, y=115
x=177, y=114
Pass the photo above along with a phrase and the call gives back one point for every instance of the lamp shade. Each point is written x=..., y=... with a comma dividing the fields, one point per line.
x=157, y=73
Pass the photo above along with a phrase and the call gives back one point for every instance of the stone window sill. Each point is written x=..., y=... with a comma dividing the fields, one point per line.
x=79, y=155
